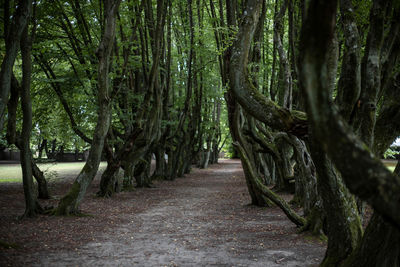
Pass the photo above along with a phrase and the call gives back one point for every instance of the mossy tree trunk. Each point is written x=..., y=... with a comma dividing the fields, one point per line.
x=290, y=121
x=262, y=190
x=380, y=245
x=306, y=176
x=108, y=181
x=256, y=104
x=234, y=117
x=344, y=228
x=366, y=176
x=69, y=204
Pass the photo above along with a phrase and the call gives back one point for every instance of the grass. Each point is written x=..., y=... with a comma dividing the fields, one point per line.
x=11, y=173
x=391, y=165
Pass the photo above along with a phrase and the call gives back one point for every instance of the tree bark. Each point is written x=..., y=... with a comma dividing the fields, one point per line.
x=249, y=97
x=349, y=87
x=32, y=207
x=291, y=214
x=69, y=204
x=371, y=72
x=287, y=90
x=161, y=165
x=13, y=36
x=15, y=138
x=343, y=223
x=380, y=245
x=40, y=179
x=364, y=175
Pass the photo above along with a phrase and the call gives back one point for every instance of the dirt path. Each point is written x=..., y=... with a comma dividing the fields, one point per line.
x=199, y=220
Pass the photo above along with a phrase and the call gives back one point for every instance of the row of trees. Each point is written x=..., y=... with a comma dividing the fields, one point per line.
x=128, y=79
x=311, y=91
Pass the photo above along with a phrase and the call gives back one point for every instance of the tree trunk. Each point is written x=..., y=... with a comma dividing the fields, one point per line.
x=371, y=72
x=284, y=165
x=349, y=86
x=234, y=126
x=207, y=153
x=108, y=181
x=285, y=99
x=14, y=138
x=40, y=179
x=364, y=175
x=69, y=204
x=142, y=172
x=380, y=245
x=32, y=206
x=129, y=169
x=19, y=21
x=344, y=226
x=160, y=171
x=306, y=178
x=291, y=214
x=249, y=97
x=41, y=148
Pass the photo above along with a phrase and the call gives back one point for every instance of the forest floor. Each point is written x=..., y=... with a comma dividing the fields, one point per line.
x=202, y=219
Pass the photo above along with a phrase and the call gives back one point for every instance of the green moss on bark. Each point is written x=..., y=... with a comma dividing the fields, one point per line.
x=68, y=205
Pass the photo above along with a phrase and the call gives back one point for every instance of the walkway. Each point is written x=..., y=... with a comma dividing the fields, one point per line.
x=200, y=220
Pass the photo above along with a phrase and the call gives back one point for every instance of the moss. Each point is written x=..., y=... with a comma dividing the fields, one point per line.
x=67, y=205
x=319, y=238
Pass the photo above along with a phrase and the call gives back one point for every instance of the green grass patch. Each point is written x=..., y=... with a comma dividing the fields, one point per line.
x=10, y=180
x=11, y=173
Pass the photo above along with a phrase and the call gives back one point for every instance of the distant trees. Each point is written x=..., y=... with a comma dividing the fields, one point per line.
x=149, y=87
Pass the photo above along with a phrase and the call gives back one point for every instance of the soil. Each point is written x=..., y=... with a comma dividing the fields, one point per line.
x=202, y=219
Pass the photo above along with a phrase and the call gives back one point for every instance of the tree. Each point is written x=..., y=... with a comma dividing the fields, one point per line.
x=366, y=177
x=69, y=204
x=13, y=36
x=32, y=207
x=344, y=228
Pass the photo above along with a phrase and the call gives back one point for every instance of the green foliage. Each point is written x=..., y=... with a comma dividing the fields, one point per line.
x=362, y=9
x=65, y=70
x=391, y=154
